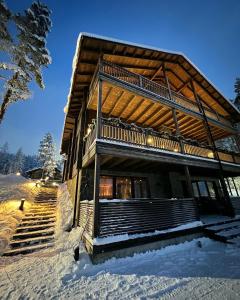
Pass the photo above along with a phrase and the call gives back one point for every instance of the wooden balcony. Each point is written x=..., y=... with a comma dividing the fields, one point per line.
x=130, y=134
x=132, y=79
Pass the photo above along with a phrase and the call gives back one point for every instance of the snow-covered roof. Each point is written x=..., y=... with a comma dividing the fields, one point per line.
x=91, y=46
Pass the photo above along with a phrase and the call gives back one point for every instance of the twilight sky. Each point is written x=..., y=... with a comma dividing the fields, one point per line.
x=206, y=31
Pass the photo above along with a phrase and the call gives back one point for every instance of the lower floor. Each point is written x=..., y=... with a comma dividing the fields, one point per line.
x=131, y=196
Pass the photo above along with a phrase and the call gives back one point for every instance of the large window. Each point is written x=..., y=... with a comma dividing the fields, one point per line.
x=106, y=187
x=123, y=187
x=204, y=189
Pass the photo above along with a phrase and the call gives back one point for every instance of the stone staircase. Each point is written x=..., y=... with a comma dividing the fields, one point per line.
x=227, y=232
x=36, y=230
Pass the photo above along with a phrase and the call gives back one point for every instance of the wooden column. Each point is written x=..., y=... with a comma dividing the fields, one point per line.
x=229, y=208
x=79, y=163
x=189, y=182
x=167, y=82
x=177, y=129
x=68, y=157
x=96, y=196
x=99, y=110
x=97, y=164
x=73, y=148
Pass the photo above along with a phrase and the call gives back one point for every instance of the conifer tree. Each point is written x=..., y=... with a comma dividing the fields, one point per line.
x=27, y=51
x=18, y=162
x=47, y=156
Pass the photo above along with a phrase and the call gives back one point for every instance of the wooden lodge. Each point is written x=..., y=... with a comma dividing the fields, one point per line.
x=141, y=138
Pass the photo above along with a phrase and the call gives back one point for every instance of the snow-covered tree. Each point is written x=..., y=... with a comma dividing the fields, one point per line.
x=27, y=53
x=47, y=155
x=31, y=162
x=18, y=162
x=237, y=87
x=4, y=159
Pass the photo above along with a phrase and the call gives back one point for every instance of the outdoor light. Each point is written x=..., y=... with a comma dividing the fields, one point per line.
x=210, y=154
x=18, y=173
x=54, y=184
x=47, y=178
x=175, y=150
x=22, y=203
x=149, y=140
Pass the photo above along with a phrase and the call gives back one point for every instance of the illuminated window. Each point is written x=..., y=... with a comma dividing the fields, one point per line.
x=123, y=188
x=106, y=187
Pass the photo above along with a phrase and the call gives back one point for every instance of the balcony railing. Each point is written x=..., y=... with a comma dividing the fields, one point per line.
x=115, y=130
x=142, y=82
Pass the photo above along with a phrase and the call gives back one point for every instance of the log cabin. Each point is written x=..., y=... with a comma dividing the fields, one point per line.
x=142, y=141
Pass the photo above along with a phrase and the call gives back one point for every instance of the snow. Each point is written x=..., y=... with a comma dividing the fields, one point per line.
x=196, y=269
x=12, y=189
x=125, y=237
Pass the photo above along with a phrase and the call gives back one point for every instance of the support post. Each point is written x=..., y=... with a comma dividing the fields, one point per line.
x=99, y=110
x=189, y=182
x=229, y=207
x=79, y=163
x=96, y=196
x=167, y=82
x=177, y=129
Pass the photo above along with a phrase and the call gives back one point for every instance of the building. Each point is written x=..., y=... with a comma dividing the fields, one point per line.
x=37, y=173
x=140, y=135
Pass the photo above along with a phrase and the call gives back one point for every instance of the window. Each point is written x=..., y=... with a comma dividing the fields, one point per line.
x=211, y=189
x=106, y=187
x=203, y=189
x=195, y=189
x=123, y=188
x=140, y=188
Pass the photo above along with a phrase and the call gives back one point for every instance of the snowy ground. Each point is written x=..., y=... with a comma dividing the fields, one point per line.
x=12, y=189
x=192, y=270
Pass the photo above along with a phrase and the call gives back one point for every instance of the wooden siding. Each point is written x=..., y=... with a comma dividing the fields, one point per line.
x=236, y=204
x=86, y=216
x=137, y=216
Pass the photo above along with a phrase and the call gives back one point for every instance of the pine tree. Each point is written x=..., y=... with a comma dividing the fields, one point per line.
x=47, y=156
x=4, y=159
x=237, y=87
x=18, y=162
x=28, y=52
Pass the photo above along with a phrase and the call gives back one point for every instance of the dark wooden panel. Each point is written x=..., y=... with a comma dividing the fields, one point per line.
x=136, y=216
x=236, y=204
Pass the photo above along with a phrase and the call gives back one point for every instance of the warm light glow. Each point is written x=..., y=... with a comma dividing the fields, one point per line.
x=149, y=140
x=47, y=178
x=175, y=150
x=18, y=173
x=210, y=154
x=88, y=130
x=54, y=184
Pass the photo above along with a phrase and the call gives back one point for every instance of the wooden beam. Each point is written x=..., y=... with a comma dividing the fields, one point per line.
x=99, y=111
x=96, y=196
x=116, y=103
x=128, y=103
x=134, y=109
x=153, y=113
x=143, y=112
x=107, y=95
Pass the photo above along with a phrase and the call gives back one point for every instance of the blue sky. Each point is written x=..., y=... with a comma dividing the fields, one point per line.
x=207, y=32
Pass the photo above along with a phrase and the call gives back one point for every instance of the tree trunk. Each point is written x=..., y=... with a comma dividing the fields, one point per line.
x=5, y=104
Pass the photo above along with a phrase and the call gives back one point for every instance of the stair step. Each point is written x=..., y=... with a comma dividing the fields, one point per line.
x=35, y=233
x=36, y=222
x=28, y=249
x=229, y=234
x=38, y=218
x=34, y=227
x=43, y=213
x=31, y=241
x=216, y=228
x=37, y=210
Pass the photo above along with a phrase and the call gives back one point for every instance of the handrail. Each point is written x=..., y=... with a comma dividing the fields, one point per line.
x=116, y=130
x=144, y=83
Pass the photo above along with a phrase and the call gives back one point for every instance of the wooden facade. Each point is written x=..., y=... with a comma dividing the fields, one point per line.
x=140, y=137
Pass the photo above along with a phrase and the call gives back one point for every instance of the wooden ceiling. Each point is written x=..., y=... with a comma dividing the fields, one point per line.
x=133, y=108
x=141, y=60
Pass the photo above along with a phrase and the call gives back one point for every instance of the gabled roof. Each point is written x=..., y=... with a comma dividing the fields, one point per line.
x=142, y=59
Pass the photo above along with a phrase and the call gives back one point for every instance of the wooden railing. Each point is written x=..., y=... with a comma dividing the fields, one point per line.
x=155, y=88
x=115, y=130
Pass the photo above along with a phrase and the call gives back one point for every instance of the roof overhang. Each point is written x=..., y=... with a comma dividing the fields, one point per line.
x=141, y=59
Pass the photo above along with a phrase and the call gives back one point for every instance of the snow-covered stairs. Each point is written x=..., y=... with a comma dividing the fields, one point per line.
x=36, y=230
x=228, y=231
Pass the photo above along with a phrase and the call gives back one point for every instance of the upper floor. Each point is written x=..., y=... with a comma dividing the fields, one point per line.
x=148, y=98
